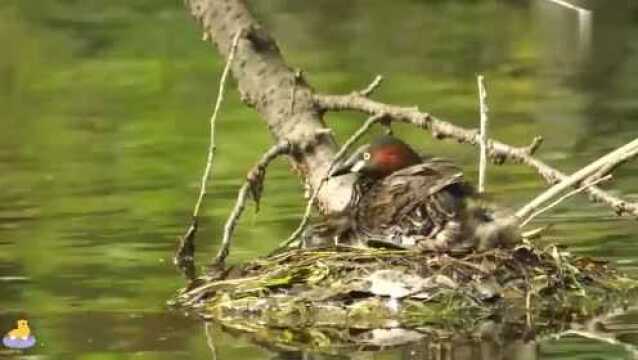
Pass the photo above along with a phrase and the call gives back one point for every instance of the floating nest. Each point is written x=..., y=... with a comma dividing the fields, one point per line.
x=342, y=296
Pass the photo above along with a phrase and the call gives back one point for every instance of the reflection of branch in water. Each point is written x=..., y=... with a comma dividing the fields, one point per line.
x=209, y=340
x=603, y=337
x=584, y=24
x=592, y=330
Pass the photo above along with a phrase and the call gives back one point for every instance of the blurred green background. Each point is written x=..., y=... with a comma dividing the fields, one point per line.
x=104, y=109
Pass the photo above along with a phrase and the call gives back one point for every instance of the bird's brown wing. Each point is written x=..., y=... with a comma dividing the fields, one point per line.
x=389, y=201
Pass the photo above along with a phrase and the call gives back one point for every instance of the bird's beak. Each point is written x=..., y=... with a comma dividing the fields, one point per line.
x=342, y=169
x=353, y=164
x=348, y=167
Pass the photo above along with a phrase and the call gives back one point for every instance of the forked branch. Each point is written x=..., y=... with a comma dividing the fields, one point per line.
x=253, y=186
x=609, y=161
x=186, y=249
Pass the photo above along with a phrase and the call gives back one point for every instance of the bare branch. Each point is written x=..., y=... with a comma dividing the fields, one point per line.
x=483, y=135
x=253, y=184
x=440, y=129
x=617, y=156
x=609, y=168
x=186, y=248
x=564, y=197
x=536, y=143
x=372, y=87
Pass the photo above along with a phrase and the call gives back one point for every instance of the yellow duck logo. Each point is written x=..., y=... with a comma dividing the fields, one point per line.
x=21, y=332
x=20, y=337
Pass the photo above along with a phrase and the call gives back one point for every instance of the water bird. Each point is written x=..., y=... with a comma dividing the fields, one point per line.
x=405, y=200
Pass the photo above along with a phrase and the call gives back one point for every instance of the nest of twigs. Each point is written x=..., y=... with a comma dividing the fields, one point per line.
x=346, y=289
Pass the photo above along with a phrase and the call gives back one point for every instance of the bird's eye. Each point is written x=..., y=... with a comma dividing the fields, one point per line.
x=366, y=156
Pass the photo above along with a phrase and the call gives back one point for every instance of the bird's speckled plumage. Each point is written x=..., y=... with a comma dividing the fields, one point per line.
x=423, y=203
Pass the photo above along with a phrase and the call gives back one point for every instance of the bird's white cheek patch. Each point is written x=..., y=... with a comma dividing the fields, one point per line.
x=358, y=166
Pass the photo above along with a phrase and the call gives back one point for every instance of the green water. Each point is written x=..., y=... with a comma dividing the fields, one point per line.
x=103, y=128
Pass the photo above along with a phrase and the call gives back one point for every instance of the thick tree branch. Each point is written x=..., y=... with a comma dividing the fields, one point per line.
x=269, y=85
x=441, y=129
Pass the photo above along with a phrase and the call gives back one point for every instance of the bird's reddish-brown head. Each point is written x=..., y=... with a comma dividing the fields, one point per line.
x=379, y=159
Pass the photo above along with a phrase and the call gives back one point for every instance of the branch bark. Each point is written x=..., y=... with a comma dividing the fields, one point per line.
x=270, y=86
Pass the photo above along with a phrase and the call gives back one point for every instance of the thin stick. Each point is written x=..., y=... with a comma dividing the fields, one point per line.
x=483, y=135
x=211, y=149
x=565, y=197
x=622, y=154
x=372, y=86
x=346, y=146
x=186, y=249
x=254, y=180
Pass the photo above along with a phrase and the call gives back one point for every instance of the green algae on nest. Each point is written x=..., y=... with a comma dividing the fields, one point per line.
x=316, y=293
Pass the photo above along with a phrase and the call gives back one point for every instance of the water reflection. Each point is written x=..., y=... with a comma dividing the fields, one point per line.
x=494, y=341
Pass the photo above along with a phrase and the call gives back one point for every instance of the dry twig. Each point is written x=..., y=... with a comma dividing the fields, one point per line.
x=563, y=198
x=483, y=135
x=186, y=248
x=612, y=159
x=253, y=185
x=372, y=87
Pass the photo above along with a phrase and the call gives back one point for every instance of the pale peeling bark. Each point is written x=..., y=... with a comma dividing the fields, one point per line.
x=277, y=92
